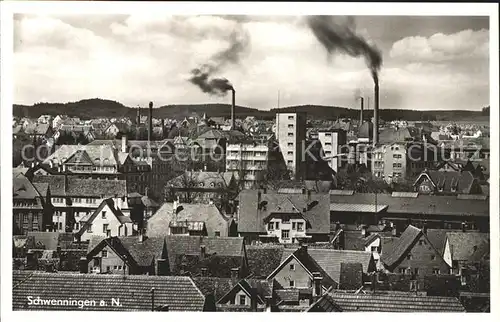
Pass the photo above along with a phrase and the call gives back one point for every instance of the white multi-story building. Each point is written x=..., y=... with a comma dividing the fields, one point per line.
x=291, y=136
x=250, y=160
x=332, y=141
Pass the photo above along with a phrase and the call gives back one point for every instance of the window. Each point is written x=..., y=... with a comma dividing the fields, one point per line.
x=96, y=261
x=290, y=152
x=300, y=226
x=104, y=253
x=105, y=228
x=397, y=156
x=270, y=226
x=285, y=220
x=421, y=242
x=290, y=144
x=374, y=249
x=290, y=134
x=435, y=271
x=104, y=215
x=433, y=257
x=108, y=269
x=290, y=126
x=243, y=299
x=285, y=234
x=217, y=234
x=328, y=134
x=292, y=267
x=409, y=256
x=415, y=271
x=328, y=143
x=89, y=228
x=294, y=225
x=115, y=267
x=60, y=227
x=277, y=224
x=292, y=283
x=290, y=162
x=402, y=270
x=290, y=117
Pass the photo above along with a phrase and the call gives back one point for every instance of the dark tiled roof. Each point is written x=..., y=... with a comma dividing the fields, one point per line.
x=395, y=303
x=392, y=135
x=462, y=244
x=133, y=291
x=330, y=260
x=446, y=180
x=391, y=255
x=325, y=304
x=263, y=260
x=209, y=214
x=423, y=204
x=145, y=252
x=231, y=248
x=56, y=183
x=354, y=240
x=262, y=289
x=437, y=237
x=252, y=220
x=216, y=286
x=289, y=295
x=24, y=189
x=51, y=240
x=83, y=187
x=42, y=188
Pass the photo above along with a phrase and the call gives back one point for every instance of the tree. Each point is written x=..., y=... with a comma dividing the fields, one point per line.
x=486, y=110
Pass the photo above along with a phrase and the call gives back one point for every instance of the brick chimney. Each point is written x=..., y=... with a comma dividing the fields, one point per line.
x=235, y=273
x=317, y=287
x=253, y=300
x=203, y=251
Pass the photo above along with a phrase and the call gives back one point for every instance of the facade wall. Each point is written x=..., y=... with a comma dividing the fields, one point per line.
x=114, y=227
x=291, y=136
x=250, y=160
x=298, y=275
x=295, y=227
x=110, y=263
x=332, y=141
x=424, y=258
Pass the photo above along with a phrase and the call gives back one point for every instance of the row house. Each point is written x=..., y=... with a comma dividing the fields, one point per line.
x=284, y=217
x=167, y=255
x=32, y=208
x=447, y=183
x=74, y=199
x=405, y=208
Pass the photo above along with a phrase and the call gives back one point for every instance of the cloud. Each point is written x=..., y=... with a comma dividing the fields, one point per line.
x=439, y=47
x=136, y=59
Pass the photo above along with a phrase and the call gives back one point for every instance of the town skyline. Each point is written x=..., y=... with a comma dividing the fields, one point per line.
x=451, y=51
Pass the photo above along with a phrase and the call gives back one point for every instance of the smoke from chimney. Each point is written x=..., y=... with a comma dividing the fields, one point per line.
x=202, y=76
x=338, y=36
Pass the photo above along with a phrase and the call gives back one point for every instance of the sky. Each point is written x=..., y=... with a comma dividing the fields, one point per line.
x=428, y=62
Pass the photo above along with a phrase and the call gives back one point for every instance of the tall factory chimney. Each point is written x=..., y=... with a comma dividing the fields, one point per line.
x=375, y=115
x=150, y=128
x=138, y=115
x=233, y=106
x=361, y=113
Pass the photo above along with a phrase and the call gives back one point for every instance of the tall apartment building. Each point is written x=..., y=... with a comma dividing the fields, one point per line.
x=401, y=160
x=291, y=137
x=250, y=159
x=332, y=140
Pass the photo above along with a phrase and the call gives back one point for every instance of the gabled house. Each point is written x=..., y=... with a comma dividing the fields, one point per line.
x=132, y=255
x=206, y=256
x=283, y=217
x=412, y=253
x=465, y=251
x=241, y=295
x=44, y=131
x=300, y=270
x=32, y=209
x=190, y=220
x=447, y=183
x=107, y=220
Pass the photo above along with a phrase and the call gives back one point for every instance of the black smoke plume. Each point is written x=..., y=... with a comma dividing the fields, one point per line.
x=337, y=36
x=202, y=76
